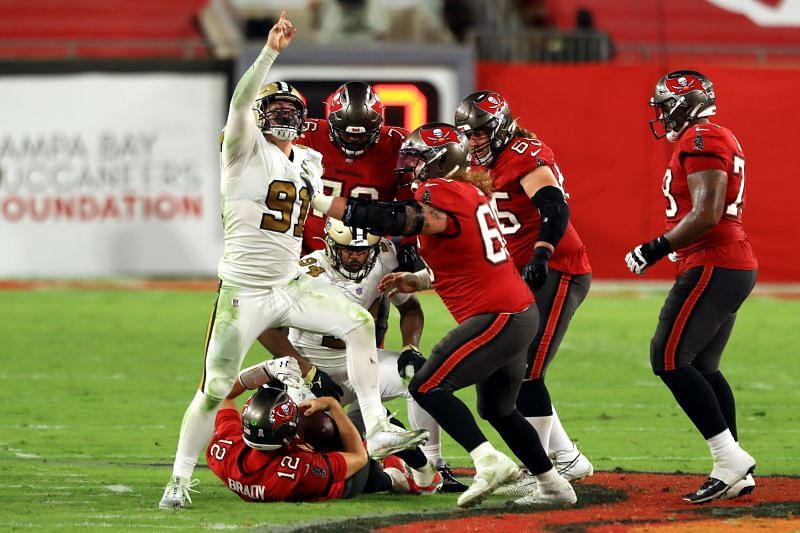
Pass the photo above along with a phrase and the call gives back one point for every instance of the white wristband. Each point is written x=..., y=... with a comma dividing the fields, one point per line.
x=424, y=281
x=322, y=202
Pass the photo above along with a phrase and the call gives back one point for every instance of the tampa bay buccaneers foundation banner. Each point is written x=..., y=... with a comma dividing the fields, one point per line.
x=110, y=174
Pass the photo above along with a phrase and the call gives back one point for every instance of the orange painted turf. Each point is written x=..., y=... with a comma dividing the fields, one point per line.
x=652, y=503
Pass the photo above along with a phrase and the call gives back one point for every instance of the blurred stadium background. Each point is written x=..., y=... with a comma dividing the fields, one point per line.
x=109, y=118
x=111, y=108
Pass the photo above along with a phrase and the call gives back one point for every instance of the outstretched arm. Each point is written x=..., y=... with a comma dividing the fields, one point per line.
x=240, y=128
x=383, y=218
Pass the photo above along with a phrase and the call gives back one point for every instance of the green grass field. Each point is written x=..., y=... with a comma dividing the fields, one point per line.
x=93, y=386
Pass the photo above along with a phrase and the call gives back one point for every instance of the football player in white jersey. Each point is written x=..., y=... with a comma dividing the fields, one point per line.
x=355, y=261
x=265, y=199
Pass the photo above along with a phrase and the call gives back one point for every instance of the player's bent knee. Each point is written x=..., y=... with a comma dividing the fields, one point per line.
x=217, y=389
x=489, y=412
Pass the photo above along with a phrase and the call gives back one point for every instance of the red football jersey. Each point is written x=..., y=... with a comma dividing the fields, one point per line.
x=519, y=218
x=472, y=270
x=291, y=473
x=705, y=147
x=369, y=176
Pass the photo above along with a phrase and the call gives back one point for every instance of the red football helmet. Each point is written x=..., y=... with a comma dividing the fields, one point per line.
x=680, y=98
x=355, y=117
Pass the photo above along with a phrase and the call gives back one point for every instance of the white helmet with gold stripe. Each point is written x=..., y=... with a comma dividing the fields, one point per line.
x=282, y=121
x=352, y=251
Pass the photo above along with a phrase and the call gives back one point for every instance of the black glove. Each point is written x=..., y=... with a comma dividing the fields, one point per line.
x=647, y=254
x=322, y=384
x=409, y=362
x=535, y=272
x=409, y=259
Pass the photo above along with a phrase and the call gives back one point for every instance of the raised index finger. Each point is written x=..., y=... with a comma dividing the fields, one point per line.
x=282, y=17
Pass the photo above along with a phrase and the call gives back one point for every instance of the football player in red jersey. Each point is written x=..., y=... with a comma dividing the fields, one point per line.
x=529, y=200
x=704, y=191
x=259, y=457
x=358, y=153
x=461, y=241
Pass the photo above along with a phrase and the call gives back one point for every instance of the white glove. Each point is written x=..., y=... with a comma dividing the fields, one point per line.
x=635, y=261
x=312, y=181
x=284, y=369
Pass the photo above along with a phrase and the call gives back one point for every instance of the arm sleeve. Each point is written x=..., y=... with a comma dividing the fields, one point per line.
x=240, y=128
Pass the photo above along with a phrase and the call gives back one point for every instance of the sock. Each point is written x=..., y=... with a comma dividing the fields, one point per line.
x=481, y=451
x=542, y=425
x=549, y=476
x=362, y=373
x=559, y=440
x=523, y=441
x=452, y=415
x=424, y=476
x=196, y=430
x=420, y=419
x=697, y=399
x=724, y=394
x=413, y=457
x=721, y=444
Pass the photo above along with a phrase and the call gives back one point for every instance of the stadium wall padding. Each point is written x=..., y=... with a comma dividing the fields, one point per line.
x=595, y=118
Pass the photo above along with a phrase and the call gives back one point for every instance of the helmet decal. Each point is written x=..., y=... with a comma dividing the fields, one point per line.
x=283, y=413
x=438, y=136
x=684, y=84
x=491, y=103
x=336, y=103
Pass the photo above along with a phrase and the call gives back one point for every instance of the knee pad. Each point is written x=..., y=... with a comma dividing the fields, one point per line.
x=657, y=354
x=217, y=389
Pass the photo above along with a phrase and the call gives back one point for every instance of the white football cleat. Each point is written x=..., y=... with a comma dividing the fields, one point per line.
x=728, y=471
x=572, y=465
x=386, y=439
x=491, y=472
x=558, y=492
x=176, y=493
x=743, y=487
x=522, y=487
x=733, y=466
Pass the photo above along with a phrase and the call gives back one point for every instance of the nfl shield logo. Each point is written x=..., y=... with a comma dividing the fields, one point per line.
x=235, y=302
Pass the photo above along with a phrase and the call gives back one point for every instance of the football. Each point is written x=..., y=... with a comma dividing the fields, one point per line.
x=319, y=431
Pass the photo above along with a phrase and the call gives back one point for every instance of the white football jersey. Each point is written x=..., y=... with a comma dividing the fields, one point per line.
x=328, y=352
x=264, y=208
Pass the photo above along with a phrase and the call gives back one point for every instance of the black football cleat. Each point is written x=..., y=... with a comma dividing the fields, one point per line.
x=451, y=484
x=712, y=489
